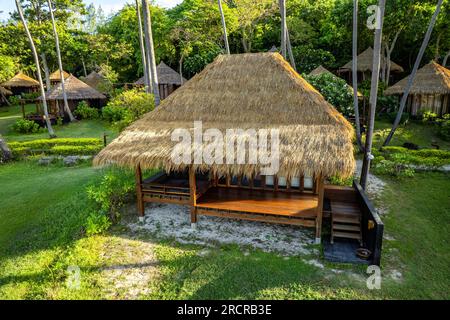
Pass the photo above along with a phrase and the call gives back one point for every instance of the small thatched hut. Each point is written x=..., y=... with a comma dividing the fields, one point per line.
x=430, y=90
x=321, y=70
x=55, y=78
x=96, y=81
x=365, y=63
x=249, y=92
x=168, y=79
x=76, y=91
x=21, y=83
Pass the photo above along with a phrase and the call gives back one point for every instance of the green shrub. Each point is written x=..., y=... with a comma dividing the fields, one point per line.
x=339, y=181
x=127, y=107
x=113, y=113
x=84, y=111
x=335, y=90
x=444, y=127
x=428, y=116
x=115, y=188
x=387, y=167
x=60, y=146
x=14, y=100
x=74, y=150
x=31, y=95
x=97, y=223
x=25, y=126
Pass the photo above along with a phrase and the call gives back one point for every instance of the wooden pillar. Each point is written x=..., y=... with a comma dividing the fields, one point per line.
x=140, y=199
x=320, y=186
x=193, y=196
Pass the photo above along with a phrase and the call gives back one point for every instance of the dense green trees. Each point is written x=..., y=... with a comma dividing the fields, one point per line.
x=190, y=35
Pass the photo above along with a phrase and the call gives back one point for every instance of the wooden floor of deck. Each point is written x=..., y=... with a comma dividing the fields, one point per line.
x=289, y=205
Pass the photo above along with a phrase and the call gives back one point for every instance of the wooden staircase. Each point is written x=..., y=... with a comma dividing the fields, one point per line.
x=345, y=221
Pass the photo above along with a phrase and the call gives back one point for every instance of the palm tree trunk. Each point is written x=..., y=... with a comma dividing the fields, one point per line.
x=283, y=27
x=444, y=62
x=84, y=67
x=389, y=50
x=151, y=51
x=373, y=94
x=181, y=68
x=355, y=75
x=149, y=86
x=141, y=45
x=224, y=26
x=46, y=71
x=36, y=60
x=5, y=152
x=413, y=73
x=58, y=54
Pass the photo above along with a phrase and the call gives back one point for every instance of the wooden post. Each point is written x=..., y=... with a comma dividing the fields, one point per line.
x=319, y=209
x=140, y=200
x=193, y=196
x=22, y=105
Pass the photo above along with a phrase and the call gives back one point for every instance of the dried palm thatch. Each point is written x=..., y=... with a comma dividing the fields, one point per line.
x=365, y=62
x=321, y=70
x=430, y=79
x=94, y=80
x=257, y=90
x=20, y=80
x=56, y=77
x=166, y=75
x=5, y=92
x=75, y=90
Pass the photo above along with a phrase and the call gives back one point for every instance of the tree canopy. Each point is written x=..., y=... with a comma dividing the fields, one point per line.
x=190, y=36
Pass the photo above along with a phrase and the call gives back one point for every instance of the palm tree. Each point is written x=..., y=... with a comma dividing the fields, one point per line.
x=373, y=94
x=355, y=74
x=413, y=73
x=141, y=45
x=283, y=27
x=58, y=54
x=5, y=152
x=150, y=50
x=224, y=26
x=38, y=70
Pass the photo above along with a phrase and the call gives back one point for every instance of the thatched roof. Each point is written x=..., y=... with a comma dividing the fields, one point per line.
x=21, y=80
x=5, y=92
x=75, y=90
x=56, y=77
x=365, y=61
x=94, y=79
x=166, y=75
x=245, y=91
x=321, y=70
x=430, y=79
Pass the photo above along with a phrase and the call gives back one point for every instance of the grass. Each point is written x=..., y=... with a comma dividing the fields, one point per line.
x=79, y=129
x=416, y=132
x=39, y=242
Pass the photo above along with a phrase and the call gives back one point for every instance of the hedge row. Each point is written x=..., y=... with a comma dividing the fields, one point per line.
x=63, y=146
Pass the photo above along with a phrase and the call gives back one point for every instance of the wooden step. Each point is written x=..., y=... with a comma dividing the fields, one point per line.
x=348, y=235
x=346, y=227
x=340, y=218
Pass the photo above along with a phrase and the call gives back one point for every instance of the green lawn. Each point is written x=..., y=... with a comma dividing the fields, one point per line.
x=45, y=209
x=79, y=129
x=421, y=134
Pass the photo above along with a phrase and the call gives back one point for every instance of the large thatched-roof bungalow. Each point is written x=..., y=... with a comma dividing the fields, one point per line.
x=249, y=92
x=76, y=91
x=55, y=77
x=365, y=64
x=21, y=83
x=168, y=79
x=430, y=90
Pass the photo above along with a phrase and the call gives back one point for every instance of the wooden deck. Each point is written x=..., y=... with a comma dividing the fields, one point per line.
x=264, y=202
